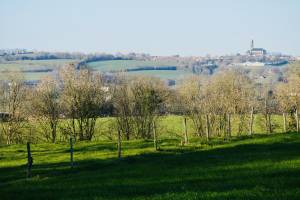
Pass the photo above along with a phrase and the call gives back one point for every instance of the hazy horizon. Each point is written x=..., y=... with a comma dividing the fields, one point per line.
x=159, y=28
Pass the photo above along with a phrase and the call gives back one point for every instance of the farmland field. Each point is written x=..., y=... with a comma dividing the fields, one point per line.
x=163, y=74
x=122, y=65
x=119, y=65
x=28, y=66
x=31, y=65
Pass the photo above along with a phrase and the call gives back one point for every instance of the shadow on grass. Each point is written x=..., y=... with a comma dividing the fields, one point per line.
x=244, y=171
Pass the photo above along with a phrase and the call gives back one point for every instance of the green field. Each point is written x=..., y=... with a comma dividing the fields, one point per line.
x=168, y=127
x=258, y=167
x=101, y=66
x=163, y=74
x=32, y=65
x=261, y=167
x=122, y=65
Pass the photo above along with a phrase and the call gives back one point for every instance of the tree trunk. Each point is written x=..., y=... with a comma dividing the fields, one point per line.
x=207, y=127
x=119, y=144
x=251, y=121
x=81, y=135
x=53, y=127
x=74, y=128
x=266, y=123
x=269, y=123
x=297, y=120
x=154, y=136
x=240, y=126
x=267, y=117
x=186, y=139
x=220, y=125
x=8, y=140
x=127, y=131
x=284, y=122
x=229, y=125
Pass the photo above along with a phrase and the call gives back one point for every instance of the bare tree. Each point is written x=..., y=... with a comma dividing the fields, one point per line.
x=123, y=108
x=148, y=97
x=13, y=103
x=267, y=105
x=191, y=95
x=82, y=98
x=288, y=97
x=46, y=107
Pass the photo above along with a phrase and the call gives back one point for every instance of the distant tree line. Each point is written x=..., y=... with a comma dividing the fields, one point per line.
x=74, y=101
x=84, y=58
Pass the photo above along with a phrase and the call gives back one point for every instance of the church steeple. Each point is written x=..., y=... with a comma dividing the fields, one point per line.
x=252, y=44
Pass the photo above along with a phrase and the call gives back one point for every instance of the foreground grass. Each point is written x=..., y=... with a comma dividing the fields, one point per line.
x=261, y=167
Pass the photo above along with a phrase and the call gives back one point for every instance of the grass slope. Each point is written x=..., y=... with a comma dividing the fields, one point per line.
x=32, y=65
x=121, y=65
x=262, y=167
x=118, y=65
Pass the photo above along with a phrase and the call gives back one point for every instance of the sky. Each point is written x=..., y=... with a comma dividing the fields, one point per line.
x=157, y=27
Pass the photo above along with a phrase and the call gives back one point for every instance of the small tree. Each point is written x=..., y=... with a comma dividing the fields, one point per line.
x=83, y=96
x=193, y=97
x=46, y=107
x=123, y=108
x=288, y=97
x=267, y=104
x=13, y=103
x=148, y=98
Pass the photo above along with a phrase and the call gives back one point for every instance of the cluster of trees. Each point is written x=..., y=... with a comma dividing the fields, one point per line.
x=74, y=101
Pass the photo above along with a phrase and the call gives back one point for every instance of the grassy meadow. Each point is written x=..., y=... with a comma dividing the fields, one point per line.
x=101, y=66
x=23, y=65
x=121, y=65
x=168, y=127
x=258, y=167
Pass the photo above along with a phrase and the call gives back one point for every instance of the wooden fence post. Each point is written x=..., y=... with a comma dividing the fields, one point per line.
x=297, y=120
x=186, y=139
x=71, y=151
x=207, y=127
x=29, y=160
x=119, y=144
x=154, y=136
x=284, y=122
x=251, y=121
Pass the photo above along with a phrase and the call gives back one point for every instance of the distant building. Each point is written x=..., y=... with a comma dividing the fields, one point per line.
x=256, y=51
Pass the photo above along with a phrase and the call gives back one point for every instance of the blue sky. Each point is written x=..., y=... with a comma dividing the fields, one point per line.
x=158, y=27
